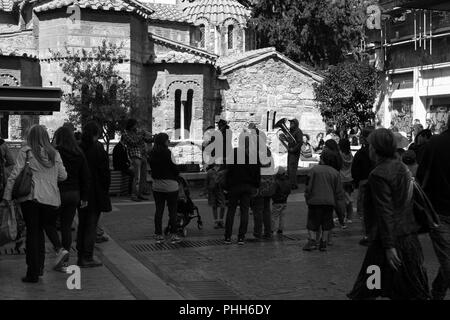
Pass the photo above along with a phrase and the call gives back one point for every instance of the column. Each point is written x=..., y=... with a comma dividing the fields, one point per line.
x=419, y=107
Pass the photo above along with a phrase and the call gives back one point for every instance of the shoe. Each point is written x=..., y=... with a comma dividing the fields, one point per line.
x=28, y=279
x=227, y=241
x=310, y=245
x=62, y=268
x=364, y=242
x=102, y=239
x=323, y=246
x=89, y=263
x=175, y=239
x=136, y=199
x=241, y=241
x=343, y=227
x=143, y=198
x=61, y=256
x=159, y=239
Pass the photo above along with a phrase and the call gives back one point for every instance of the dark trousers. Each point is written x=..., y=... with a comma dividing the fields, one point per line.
x=69, y=203
x=87, y=232
x=238, y=196
x=37, y=216
x=441, y=243
x=292, y=168
x=160, y=203
x=130, y=173
x=262, y=216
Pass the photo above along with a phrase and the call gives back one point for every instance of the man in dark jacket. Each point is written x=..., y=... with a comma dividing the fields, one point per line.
x=361, y=168
x=294, y=150
x=122, y=163
x=434, y=175
x=241, y=181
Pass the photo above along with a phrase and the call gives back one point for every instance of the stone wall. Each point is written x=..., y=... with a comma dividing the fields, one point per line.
x=267, y=91
x=18, y=42
x=173, y=31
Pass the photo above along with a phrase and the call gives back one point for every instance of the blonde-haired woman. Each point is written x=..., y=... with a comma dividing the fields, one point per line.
x=40, y=205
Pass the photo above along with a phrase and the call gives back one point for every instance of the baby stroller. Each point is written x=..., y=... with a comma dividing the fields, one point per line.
x=186, y=211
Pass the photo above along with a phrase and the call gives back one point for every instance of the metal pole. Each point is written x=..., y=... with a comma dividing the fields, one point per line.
x=431, y=32
x=415, y=30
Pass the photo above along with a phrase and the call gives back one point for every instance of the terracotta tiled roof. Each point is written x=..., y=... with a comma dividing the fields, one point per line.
x=7, y=5
x=241, y=60
x=167, y=12
x=113, y=5
x=181, y=53
x=217, y=11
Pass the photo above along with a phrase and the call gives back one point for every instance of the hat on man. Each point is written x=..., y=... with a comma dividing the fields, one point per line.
x=222, y=122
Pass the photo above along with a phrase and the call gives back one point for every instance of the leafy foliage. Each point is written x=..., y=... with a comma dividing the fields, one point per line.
x=347, y=95
x=310, y=31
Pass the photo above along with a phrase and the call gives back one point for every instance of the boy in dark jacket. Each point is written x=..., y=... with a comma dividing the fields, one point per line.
x=323, y=194
x=282, y=192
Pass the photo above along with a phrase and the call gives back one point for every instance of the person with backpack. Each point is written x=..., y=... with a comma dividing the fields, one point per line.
x=394, y=246
x=44, y=162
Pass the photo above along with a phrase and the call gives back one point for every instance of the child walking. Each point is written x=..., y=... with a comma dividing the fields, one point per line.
x=216, y=197
x=346, y=177
x=282, y=192
x=324, y=193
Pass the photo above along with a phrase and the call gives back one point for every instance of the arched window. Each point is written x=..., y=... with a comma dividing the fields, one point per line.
x=188, y=113
x=202, y=36
x=274, y=119
x=230, y=36
x=177, y=114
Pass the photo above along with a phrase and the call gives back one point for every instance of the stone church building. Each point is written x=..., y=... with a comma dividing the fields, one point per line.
x=198, y=53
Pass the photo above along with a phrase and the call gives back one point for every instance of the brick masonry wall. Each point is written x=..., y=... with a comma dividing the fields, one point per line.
x=173, y=31
x=270, y=86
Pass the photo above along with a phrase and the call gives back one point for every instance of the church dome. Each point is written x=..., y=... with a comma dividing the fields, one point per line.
x=216, y=12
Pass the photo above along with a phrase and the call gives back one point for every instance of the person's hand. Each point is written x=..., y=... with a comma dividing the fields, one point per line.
x=83, y=204
x=393, y=258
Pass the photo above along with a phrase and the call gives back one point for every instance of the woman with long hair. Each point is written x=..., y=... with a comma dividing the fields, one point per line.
x=39, y=207
x=74, y=190
x=165, y=186
x=391, y=228
x=98, y=198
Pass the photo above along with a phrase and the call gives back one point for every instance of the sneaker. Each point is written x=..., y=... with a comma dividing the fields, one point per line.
x=89, y=263
x=310, y=245
x=323, y=246
x=61, y=256
x=159, y=239
x=175, y=239
x=102, y=239
x=62, y=268
x=227, y=241
x=241, y=241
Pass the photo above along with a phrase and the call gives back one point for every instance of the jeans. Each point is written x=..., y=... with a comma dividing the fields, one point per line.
x=37, y=217
x=239, y=195
x=87, y=232
x=278, y=214
x=292, y=168
x=262, y=216
x=441, y=243
x=160, y=202
x=140, y=176
x=69, y=203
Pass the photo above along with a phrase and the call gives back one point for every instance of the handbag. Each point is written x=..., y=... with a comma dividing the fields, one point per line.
x=8, y=223
x=23, y=184
x=424, y=213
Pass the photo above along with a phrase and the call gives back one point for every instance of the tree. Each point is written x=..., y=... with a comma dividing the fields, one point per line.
x=314, y=32
x=347, y=95
x=97, y=91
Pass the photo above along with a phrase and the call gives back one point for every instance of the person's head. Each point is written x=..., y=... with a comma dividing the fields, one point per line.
x=65, y=138
x=416, y=121
x=344, y=146
x=132, y=125
x=39, y=142
x=294, y=124
x=424, y=136
x=366, y=131
x=91, y=132
x=328, y=158
x=382, y=145
x=222, y=124
x=428, y=121
x=332, y=145
x=409, y=158
x=305, y=138
x=77, y=136
x=161, y=141
x=319, y=136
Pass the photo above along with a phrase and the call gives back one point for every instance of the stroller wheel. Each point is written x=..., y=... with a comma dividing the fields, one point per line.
x=185, y=232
